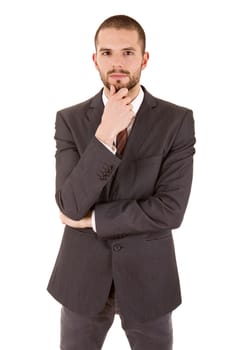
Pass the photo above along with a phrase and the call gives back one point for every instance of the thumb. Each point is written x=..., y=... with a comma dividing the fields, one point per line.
x=112, y=90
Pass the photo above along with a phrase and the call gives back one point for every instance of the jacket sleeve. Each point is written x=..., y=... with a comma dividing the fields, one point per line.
x=80, y=176
x=165, y=208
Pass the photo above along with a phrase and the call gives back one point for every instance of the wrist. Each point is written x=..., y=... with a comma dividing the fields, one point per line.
x=102, y=136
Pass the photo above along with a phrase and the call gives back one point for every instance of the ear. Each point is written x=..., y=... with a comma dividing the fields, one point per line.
x=145, y=59
x=94, y=59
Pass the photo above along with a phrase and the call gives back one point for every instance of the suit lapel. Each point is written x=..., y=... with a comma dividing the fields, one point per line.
x=95, y=111
x=142, y=126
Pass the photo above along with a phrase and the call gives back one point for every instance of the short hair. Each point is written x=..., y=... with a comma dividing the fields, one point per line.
x=123, y=22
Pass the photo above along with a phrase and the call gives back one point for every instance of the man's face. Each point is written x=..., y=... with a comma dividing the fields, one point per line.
x=119, y=58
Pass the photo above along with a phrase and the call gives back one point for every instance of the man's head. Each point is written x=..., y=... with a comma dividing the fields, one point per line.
x=123, y=22
x=120, y=52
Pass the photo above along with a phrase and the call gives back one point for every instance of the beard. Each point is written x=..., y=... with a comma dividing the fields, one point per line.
x=133, y=79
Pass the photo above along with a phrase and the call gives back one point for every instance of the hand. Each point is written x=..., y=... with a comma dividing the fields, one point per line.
x=85, y=222
x=117, y=115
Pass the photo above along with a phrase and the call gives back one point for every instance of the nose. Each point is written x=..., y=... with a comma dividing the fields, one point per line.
x=117, y=61
x=117, y=65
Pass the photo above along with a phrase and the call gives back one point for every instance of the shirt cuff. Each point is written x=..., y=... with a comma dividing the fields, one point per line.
x=111, y=149
x=93, y=220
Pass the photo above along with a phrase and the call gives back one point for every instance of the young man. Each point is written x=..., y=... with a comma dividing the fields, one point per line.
x=123, y=177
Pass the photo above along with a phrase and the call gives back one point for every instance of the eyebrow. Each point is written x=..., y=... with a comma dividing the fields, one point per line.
x=129, y=49
x=124, y=49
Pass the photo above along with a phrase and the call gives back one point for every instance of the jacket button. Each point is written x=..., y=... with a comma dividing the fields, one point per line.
x=117, y=247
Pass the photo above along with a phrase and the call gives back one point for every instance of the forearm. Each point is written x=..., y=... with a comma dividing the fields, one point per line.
x=163, y=209
x=82, y=188
x=130, y=217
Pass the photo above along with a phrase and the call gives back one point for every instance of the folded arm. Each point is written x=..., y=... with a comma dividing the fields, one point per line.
x=80, y=176
x=165, y=208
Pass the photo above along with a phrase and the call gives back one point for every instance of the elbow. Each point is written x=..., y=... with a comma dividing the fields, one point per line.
x=173, y=218
x=68, y=208
x=176, y=221
x=171, y=212
x=176, y=217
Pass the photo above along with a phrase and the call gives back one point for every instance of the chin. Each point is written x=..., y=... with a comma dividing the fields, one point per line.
x=120, y=86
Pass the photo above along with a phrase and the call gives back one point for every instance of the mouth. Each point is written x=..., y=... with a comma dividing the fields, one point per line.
x=118, y=75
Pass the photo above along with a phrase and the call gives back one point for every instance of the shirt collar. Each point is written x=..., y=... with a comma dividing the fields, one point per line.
x=136, y=103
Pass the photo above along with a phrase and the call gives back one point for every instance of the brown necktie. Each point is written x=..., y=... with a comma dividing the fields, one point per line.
x=121, y=141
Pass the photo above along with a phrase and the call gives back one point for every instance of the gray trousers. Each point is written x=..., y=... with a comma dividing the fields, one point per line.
x=88, y=333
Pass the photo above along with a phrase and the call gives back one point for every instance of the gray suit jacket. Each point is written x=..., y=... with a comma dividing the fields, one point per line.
x=138, y=200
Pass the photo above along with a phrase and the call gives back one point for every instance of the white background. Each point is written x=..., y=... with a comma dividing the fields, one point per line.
x=46, y=49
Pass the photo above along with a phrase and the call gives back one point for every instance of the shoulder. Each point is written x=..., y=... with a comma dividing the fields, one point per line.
x=170, y=106
x=167, y=107
x=170, y=116
x=80, y=108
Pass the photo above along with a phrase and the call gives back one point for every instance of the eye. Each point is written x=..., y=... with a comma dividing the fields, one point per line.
x=106, y=53
x=128, y=53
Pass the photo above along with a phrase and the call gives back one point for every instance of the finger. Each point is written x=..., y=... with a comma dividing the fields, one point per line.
x=122, y=93
x=62, y=217
x=131, y=107
x=112, y=90
x=127, y=101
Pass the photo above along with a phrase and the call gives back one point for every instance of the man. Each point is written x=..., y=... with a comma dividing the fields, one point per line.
x=123, y=178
